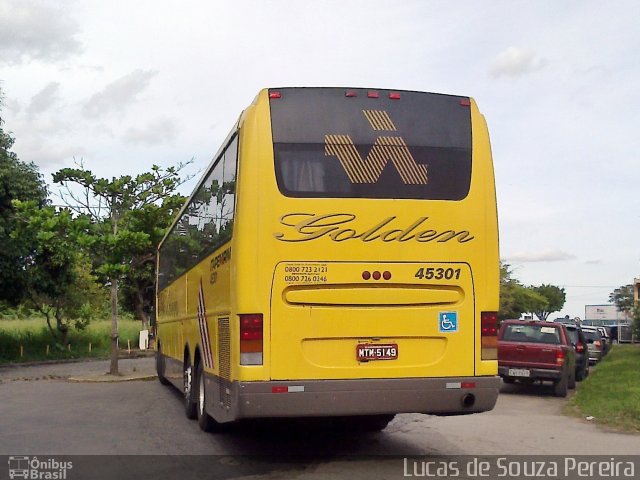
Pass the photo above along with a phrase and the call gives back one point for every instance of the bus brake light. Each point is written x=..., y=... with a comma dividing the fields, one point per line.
x=489, y=324
x=273, y=95
x=371, y=94
x=489, y=335
x=394, y=96
x=251, y=339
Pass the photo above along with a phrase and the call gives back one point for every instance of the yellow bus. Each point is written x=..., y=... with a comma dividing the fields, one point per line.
x=339, y=258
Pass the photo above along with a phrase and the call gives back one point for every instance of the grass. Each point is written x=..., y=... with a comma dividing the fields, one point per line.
x=33, y=336
x=611, y=393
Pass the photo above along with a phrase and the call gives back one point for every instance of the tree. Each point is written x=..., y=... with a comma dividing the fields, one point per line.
x=138, y=285
x=18, y=181
x=515, y=298
x=113, y=208
x=622, y=297
x=54, y=273
x=554, y=298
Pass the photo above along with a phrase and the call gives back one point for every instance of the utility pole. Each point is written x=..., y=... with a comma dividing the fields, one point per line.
x=113, y=370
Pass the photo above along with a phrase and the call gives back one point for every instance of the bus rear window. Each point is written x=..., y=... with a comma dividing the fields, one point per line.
x=330, y=145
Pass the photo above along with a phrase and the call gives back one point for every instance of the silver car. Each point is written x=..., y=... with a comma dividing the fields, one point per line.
x=595, y=344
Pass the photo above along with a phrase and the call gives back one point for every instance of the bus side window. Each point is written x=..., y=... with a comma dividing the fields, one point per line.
x=228, y=197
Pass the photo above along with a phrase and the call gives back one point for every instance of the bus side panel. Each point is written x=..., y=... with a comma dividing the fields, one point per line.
x=171, y=312
x=252, y=275
x=488, y=290
x=208, y=298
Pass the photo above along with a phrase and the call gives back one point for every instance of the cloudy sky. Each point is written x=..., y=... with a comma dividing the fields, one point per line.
x=126, y=84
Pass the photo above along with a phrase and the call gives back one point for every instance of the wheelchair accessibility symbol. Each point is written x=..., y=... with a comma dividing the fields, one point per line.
x=448, y=322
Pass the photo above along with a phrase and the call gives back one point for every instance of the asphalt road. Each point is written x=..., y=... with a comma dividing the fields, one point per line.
x=41, y=413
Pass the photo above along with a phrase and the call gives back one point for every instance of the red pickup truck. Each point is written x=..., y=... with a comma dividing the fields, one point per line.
x=530, y=351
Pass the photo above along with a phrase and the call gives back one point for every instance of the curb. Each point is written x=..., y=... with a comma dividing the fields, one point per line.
x=106, y=378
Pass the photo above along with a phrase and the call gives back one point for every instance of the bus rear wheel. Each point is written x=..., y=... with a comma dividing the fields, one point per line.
x=206, y=423
x=190, y=407
x=369, y=423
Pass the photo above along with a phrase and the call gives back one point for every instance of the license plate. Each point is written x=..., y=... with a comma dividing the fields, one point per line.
x=519, y=372
x=377, y=351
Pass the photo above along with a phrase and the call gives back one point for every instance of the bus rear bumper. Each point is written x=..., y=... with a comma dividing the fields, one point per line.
x=315, y=398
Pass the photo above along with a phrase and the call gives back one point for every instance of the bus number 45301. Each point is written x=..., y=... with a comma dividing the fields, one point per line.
x=432, y=273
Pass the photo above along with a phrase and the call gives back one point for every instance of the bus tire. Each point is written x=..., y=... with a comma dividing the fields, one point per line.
x=190, y=407
x=161, y=366
x=560, y=387
x=368, y=423
x=205, y=421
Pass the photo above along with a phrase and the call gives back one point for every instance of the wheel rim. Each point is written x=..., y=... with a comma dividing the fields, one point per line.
x=201, y=395
x=187, y=382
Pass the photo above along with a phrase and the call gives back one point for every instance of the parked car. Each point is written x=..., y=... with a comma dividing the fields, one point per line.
x=606, y=340
x=579, y=343
x=530, y=351
x=594, y=344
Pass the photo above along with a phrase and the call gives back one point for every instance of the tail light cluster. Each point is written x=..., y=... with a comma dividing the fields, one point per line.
x=489, y=335
x=580, y=347
x=560, y=358
x=274, y=95
x=251, y=339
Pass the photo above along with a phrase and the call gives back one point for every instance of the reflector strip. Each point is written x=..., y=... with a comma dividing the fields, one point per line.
x=454, y=385
x=468, y=385
x=287, y=389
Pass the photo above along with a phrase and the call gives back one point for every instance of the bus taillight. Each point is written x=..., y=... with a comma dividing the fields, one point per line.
x=251, y=344
x=489, y=335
